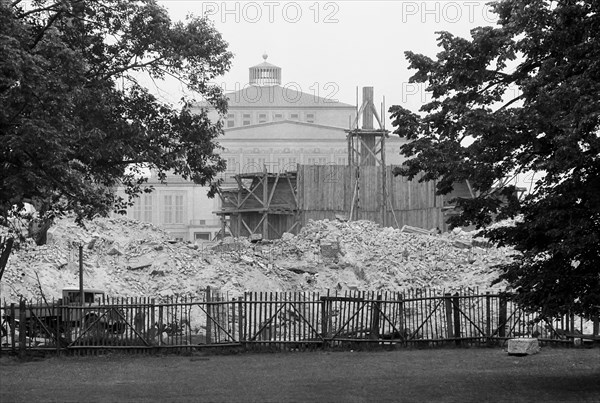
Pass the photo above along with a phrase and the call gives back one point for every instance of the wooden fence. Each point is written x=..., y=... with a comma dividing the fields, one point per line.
x=298, y=320
x=327, y=190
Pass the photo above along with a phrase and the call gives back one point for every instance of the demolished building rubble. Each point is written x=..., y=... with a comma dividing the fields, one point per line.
x=129, y=258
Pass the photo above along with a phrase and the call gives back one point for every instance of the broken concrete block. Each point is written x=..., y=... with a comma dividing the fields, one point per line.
x=246, y=259
x=415, y=230
x=228, y=247
x=286, y=236
x=330, y=249
x=462, y=244
x=523, y=346
x=114, y=252
x=138, y=263
x=255, y=237
x=482, y=243
x=92, y=243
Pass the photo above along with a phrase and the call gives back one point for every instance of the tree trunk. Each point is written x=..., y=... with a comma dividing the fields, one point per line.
x=6, y=247
x=38, y=230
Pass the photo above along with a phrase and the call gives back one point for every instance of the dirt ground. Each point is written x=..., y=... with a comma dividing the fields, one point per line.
x=465, y=375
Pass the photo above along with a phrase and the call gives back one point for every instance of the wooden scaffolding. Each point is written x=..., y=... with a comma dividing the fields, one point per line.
x=262, y=205
x=366, y=148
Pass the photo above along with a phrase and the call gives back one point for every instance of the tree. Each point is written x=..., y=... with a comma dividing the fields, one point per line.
x=75, y=122
x=520, y=97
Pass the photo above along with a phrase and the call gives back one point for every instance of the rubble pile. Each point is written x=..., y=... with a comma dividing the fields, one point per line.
x=128, y=258
x=391, y=259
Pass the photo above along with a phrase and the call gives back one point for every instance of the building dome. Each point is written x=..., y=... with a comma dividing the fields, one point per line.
x=265, y=74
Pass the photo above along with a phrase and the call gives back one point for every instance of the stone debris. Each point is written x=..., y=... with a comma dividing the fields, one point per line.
x=415, y=230
x=523, y=346
x=129, y=258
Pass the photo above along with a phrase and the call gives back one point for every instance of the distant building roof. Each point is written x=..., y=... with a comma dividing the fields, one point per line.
x=256, y=96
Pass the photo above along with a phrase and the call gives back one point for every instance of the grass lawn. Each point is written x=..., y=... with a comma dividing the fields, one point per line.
x=460, y=375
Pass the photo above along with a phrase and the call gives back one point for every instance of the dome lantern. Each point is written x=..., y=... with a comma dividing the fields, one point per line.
x=265, y=74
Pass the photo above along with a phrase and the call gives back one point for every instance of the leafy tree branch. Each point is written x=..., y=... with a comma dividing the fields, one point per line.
x=70, y=134
x=475, y=129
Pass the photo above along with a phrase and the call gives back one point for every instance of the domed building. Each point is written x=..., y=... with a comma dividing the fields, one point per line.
x=268, y=126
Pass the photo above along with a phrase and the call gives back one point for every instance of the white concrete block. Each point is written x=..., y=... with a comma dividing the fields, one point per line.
x=523, y=346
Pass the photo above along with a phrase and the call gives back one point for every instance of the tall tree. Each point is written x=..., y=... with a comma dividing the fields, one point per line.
x=521, y=97
x=74, y=120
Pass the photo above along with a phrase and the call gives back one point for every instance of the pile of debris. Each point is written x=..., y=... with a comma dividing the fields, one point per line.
x=129, y=258
x=391, y=259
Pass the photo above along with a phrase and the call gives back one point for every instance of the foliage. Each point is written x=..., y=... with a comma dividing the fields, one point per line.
x=75, y=122
x=521, y=97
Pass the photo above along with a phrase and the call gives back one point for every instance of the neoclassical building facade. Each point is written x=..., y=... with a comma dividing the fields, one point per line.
x=268, y=126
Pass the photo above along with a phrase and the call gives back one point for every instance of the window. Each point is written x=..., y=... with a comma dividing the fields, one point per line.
x=262, y=117
x=168, y=210
x=251, y=165
x=137, y=209
x=142, y=209
x=278, y=116
x=89, y=297
x=148, y=208
x=342, y=160
x=261, y=161
x=202, y=236
x=310, y=117
x=230, y=120
x=291, y=164
x=179, y=209
x=246, y=119
x=281, y=164
x=173, y=209
x=231, y=165
x=316, y=160
x=294, y=116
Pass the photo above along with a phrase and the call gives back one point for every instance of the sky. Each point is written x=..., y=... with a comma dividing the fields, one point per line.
x=329, y=48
